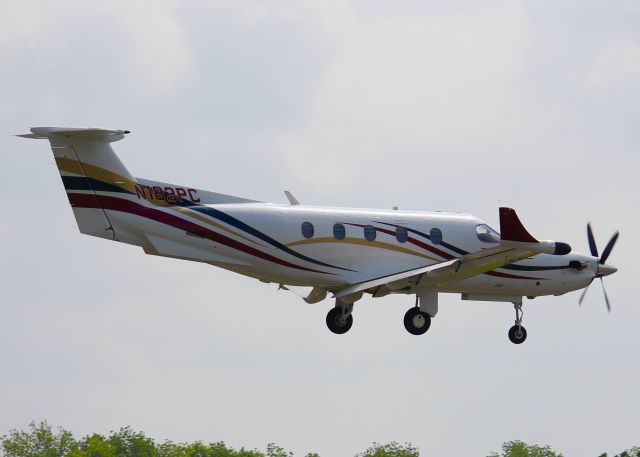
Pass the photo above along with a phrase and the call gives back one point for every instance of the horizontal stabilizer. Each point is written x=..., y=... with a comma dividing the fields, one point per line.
x=75, y=133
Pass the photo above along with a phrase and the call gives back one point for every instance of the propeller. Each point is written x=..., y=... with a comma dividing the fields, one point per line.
x=603, y=268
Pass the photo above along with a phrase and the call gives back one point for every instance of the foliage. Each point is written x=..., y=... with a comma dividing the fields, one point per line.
x=392, y=449
x=633, y=452
x=519, y=449
x=40, y=440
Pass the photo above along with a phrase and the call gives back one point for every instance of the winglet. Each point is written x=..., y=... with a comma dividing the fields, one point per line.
x=292, y=200
x=511, y=229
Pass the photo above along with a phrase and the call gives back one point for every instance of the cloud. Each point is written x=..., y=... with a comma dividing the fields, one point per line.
x=616, y=64
x=408, y=86
x=157, y=45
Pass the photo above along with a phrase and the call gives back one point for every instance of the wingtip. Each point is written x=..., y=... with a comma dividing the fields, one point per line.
x=33, y=136
x=511, y=229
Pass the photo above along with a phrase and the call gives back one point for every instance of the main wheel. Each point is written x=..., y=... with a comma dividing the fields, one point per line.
x=338, y=323
x=517, y=335
x=416, y=322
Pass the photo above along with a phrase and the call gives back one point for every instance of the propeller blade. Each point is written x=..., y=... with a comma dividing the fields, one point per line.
x=609, y=247
x=592, y=241
x=606, y=298
x=583, y=294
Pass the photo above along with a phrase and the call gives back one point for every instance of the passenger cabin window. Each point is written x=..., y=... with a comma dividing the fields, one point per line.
x=369, y=232
x=436, y=236
x=307, y=229
x=402, y=235
x=339, y=232
x=487, y=234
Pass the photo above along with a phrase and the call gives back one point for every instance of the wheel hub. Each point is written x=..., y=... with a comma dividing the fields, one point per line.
x=418, y=321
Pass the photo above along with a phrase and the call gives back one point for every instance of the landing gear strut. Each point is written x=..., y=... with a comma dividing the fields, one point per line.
x=517, y=333
x=339, y=319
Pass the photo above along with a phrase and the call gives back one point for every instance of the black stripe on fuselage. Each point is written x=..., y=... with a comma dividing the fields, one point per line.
x=516, y=267
x=428, y=237
x=228, y=219
x=510, y=266
x=85, y=183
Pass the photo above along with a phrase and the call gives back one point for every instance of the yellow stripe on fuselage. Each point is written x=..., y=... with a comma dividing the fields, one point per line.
x=361, y=242
x=106, y=176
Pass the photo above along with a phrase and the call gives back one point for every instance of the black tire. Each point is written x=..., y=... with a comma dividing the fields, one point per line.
x=517, y=335
x=417, y=322
x=337, y=323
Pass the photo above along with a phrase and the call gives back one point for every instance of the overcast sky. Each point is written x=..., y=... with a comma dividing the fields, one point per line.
x=423, y=105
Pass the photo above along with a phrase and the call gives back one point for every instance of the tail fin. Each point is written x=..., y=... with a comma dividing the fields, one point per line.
x=94, y=176
x=87, y=164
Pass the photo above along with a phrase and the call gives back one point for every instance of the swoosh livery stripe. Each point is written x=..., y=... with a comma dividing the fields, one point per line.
x=91, y=184
x=102, y=180
x=224, y=217
x=84, y=183
x=463, y=252
x=361, y=242
x=127, y=186
x=126, y=206
x=428, y=237
x=513, y=266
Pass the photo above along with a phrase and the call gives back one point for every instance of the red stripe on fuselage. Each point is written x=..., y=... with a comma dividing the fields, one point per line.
x=126, y=206
x=448, y=256
x=444, y=255
x=510, y=276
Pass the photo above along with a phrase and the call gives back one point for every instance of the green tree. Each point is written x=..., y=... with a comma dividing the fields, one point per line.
x=519, y=449
x=93, y=446
x=127, y=443
x=633, y=452
x=39, y=441
x=392, y=449
x=199, y=449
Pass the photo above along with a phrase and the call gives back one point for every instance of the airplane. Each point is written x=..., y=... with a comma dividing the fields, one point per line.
x=345, y=252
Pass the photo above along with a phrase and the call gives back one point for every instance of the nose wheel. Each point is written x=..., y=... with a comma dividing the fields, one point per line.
x=517, y=333
x=339, y=319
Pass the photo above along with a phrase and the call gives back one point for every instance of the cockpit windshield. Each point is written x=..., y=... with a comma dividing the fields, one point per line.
x=487, y=234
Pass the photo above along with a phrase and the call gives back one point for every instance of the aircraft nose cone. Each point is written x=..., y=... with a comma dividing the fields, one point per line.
x=606, y=270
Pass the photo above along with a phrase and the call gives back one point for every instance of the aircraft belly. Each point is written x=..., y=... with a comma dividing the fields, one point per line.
x=205, y=252
x=544, y=283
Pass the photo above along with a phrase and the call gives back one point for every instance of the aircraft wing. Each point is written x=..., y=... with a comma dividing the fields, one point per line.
x=446, y=272
x=515, y=244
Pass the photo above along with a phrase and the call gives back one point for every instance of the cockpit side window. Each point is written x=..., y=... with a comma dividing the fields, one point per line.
x=487, y=234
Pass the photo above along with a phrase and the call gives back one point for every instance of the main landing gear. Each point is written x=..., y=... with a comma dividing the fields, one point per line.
x=416, y=321
x=339, y=319
x=517, y=333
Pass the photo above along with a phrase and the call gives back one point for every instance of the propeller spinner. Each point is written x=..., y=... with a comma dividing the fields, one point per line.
x=603, y=268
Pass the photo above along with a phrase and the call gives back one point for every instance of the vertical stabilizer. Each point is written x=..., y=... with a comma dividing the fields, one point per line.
x=87, y=164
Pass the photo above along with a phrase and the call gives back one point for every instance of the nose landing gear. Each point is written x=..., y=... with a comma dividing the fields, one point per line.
x=517, y=333
x=339, y=319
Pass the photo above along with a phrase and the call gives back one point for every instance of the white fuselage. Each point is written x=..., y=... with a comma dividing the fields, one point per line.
x=266, y=241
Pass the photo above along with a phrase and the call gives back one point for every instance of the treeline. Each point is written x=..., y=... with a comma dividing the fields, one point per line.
x=40, y=440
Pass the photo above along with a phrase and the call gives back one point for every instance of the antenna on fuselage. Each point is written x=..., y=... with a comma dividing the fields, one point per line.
x=292, y=200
